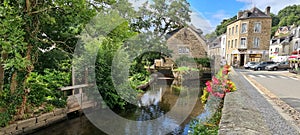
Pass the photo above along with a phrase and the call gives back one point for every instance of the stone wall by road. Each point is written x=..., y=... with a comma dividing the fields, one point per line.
x=247, y=111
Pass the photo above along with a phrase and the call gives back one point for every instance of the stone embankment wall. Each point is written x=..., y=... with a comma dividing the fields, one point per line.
x=29, y=125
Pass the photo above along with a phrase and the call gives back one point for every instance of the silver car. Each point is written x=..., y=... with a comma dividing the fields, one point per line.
x=278, y=66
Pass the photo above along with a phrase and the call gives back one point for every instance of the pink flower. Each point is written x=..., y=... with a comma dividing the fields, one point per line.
x=207, y=83
x=215, y=80
x=209, y=89
x=220, y=95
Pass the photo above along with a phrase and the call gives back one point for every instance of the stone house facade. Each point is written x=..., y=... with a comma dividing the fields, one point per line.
x=248, y=37
x=285, y=44
x=214, y=48
x=187, y=42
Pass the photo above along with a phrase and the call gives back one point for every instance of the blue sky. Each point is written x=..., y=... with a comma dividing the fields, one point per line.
x=207, y=14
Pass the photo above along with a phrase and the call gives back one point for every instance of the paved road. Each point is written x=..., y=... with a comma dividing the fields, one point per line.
x=284, y=87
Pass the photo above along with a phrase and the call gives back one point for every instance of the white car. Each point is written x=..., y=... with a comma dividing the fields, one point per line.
x=248, y=64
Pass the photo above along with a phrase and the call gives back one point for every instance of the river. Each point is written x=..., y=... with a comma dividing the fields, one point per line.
x=157, y=103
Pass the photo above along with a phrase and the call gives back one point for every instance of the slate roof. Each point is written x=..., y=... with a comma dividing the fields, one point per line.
x=253, y=13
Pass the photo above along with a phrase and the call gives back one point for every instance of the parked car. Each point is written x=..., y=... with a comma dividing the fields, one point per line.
x=282, y=65
x=261, y=65
x=248, y=64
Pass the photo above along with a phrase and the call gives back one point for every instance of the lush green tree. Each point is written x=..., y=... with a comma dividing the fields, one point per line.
x=30, y=28
x=222, y=28
x=289, y=15
x=162, y=16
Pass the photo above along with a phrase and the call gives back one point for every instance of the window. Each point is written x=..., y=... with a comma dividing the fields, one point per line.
x=296, y=45
x=257, y=27
x=244, y=28
x=236, y=29
x=235, y=43
x=228, y=44
x=229, y=31
x=231, y=43
x=183, y=50
x=232, y=31
x=256, y=42
x=243, y=42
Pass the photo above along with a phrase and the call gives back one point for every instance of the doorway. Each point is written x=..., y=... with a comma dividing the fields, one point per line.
x=242, y=59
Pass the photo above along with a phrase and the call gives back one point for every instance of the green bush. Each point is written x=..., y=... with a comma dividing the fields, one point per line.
x=47, y=85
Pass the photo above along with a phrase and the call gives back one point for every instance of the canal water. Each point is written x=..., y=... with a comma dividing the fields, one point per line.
x=155, y=105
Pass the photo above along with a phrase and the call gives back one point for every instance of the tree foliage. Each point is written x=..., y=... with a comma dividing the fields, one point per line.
x=162, y=16
x=222, y=28
x=289, y=15
x=39, y=37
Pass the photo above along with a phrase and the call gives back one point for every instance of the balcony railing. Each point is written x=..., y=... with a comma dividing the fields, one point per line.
x=242, y=47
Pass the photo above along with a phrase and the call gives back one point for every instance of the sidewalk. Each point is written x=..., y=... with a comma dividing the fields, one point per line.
x=293, y=75
x=247, y=111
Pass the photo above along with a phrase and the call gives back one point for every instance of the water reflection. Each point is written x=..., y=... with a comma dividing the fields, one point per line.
x=153, y=107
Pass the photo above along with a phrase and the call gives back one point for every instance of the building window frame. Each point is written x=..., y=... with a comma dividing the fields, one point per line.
x=232, y=30
x=235, y=43
x=257, y=27
x=184, y=50
x=229, y=31
x=231, y=43
x=228, y=44
x=256, y=42
x=244, y=27
x=243, y=43
x=236, y=28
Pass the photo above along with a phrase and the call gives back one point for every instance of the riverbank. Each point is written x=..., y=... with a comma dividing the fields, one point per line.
x=30, y=125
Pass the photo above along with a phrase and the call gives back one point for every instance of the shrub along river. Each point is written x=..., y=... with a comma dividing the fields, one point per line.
x=159, y=99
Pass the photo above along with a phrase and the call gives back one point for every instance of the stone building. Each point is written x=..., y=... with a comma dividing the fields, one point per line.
x=280, y=44
x=248, y=37
x=188, y=42
x=217, y=46
x=214, y=48
x=283, y=45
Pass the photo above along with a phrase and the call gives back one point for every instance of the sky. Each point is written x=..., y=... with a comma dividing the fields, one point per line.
x=214, y=11
x=207, y=14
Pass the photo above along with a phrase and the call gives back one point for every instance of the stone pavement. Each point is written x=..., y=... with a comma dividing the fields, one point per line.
x=249, y=112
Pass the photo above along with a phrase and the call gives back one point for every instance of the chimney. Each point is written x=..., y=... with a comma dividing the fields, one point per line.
x=267, y=11
x=240, y=13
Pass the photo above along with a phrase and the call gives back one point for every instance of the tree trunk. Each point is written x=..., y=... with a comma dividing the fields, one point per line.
x=13, y=83
x=29, y=68
x=4, y=56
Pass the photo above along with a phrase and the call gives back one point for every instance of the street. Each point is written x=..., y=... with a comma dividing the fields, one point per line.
x=279, y=83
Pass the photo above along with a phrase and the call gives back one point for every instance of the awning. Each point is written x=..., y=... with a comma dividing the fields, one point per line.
x=293, y=56
x=235, y=52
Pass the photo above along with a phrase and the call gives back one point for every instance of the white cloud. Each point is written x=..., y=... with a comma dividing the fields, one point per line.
x=199, y=21
x=275, y=5
x=137, y=3
x=220, y=15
